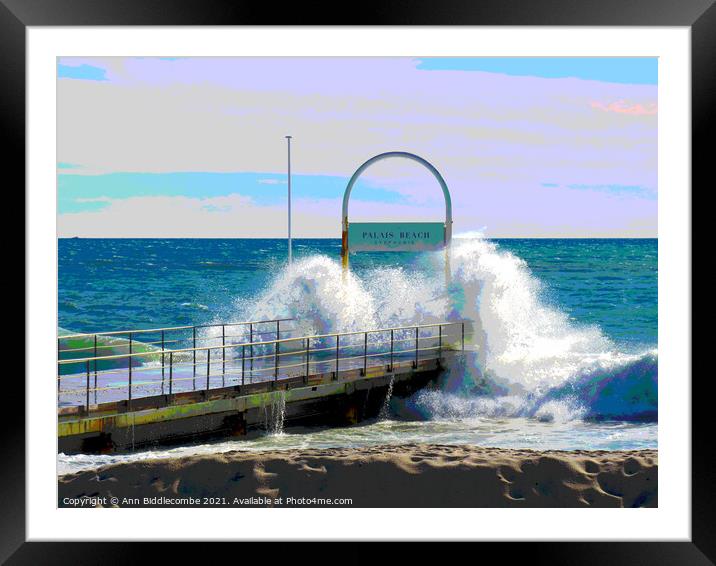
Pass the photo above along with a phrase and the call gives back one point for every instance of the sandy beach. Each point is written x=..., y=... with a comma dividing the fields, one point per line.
x=411, y=475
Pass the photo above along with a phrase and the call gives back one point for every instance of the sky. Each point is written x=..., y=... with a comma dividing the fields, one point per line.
x=195, y=147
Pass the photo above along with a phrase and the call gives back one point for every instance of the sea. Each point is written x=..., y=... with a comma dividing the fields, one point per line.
x=563, y=352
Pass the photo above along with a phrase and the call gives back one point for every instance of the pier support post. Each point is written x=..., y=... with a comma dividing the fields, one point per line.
x=95, y=368
x=365, y=353
x=417, y=345
x=391, y=351
x=440, y=341
x=275, y=356
x=162, y=362
x=59, y=374
x=338, y=349
x=193, y=375
x=87, y=390
x=308, y=357
x=129, y=399
x=208, y=367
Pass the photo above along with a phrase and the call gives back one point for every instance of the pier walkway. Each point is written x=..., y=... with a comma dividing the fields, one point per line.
x=113, y=380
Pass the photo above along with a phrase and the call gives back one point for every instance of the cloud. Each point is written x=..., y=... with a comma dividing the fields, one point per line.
x=535, y=214
x=616, y=189
x=624, y=107
x=79, y=186
x=232, y=115
x=494, y=137
x=230, y=216
x=164, y=216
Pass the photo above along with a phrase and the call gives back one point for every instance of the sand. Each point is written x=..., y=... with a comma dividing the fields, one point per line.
x=414, y=475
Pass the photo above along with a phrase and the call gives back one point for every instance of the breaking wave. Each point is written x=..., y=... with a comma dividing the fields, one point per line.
x=525, y=357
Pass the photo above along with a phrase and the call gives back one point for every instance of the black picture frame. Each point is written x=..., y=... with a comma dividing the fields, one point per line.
x=17, y=15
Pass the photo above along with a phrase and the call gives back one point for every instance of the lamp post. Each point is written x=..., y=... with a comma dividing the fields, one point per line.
x=290, y=258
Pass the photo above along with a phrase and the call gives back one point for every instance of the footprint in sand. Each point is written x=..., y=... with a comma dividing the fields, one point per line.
x=516, y=494
x=507, y=474
x=631, y=466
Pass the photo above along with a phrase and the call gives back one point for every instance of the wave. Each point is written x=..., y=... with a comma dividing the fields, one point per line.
x=83, y=346
x=624, y=390
x=198, y=306
x=525, y=357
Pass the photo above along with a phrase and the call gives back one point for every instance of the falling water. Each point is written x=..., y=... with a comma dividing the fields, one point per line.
x=274, y=420
x=386, y=403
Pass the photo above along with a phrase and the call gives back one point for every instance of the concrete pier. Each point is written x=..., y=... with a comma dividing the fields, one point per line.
x=324, y=398
x=342, y=383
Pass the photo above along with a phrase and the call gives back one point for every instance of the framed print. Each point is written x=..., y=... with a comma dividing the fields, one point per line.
x=413, y=277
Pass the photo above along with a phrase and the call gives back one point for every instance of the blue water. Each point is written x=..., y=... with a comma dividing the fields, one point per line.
x=108, y=284
x=563, y=355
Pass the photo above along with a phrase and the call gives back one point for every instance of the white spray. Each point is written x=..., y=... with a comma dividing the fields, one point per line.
x=522, y=344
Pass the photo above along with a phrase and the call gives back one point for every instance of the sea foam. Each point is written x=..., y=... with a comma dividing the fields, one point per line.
x=525, y=357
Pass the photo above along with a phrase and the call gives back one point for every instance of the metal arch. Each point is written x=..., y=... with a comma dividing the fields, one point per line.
x=429, y=166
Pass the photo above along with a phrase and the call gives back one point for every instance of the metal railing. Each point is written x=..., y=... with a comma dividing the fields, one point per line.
x=158, y=371
x=253, y=330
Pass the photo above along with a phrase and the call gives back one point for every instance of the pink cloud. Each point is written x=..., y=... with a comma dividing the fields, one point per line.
x=623, y=107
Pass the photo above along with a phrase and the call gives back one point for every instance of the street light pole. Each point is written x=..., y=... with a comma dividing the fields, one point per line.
x=290, y=258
